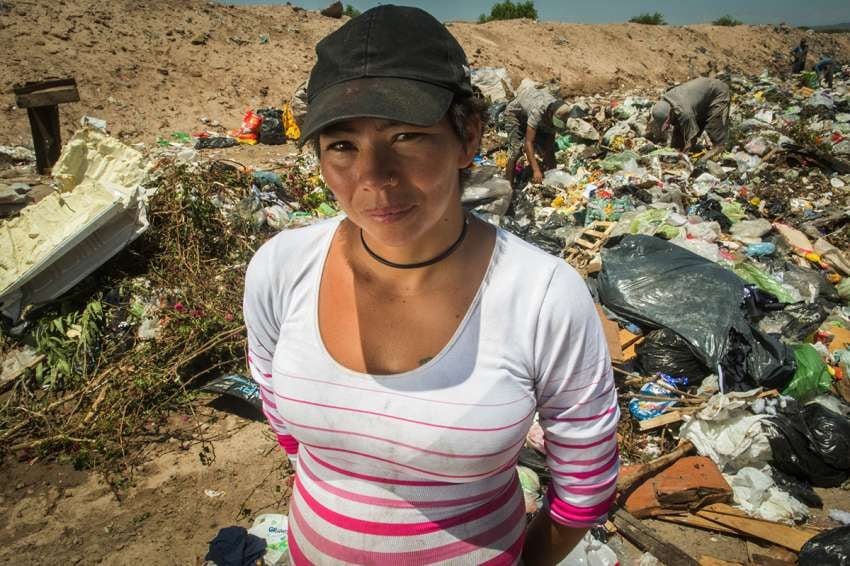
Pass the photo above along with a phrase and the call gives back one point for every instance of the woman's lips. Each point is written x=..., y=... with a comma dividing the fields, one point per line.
x=389, y=214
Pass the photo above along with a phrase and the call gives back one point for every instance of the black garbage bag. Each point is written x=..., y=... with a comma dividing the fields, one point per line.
x=656, y=284
x=795, y=323
x=215, y=142
x=830, y=548
x=711, y=210
x=830, y=433
x=664, y=351
x=811, y=444
x=799, y=489
x=271, y=130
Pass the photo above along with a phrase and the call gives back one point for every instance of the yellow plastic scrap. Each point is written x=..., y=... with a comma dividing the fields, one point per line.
x=291, y=129
x=314, y=180
x=558, y=202
x=501, y=159
x=759, y=96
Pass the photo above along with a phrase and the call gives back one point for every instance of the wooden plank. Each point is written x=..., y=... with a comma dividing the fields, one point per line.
x=630, y=352
x=584, y=243
x=698, y=522
x=777, y=533
x=627, y=338
x=33, y=86
x=49, y=97
x=596, y=233
x=610, y=328
x=661, y=420
x=726, y=509
x=648, y=540
x=712, y=561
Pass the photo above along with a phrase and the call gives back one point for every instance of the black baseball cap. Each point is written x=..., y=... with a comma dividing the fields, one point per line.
x=392, y=62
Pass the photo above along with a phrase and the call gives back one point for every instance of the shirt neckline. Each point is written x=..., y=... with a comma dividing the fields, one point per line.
x=473, y=306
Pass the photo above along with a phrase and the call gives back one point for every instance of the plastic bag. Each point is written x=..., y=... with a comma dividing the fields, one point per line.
x=830, y=548
x=749, y=230
x=761, y=249
x=215, y=142
x=806, y=443
x=733, y=211
x=643, y=409
x=710, y=209
x=530, y=484
x=606, y=209
x=811, y=376
x=590, y=552
x=664, y=351
x=756, y=492
x=273, y=529
x=656, y=284
x=271, y=129
x=843, y=289
x=750, y=273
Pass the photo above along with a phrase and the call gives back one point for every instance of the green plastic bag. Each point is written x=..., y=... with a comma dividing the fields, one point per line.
x=811, y=376
x=733, y=211
x=617, y=161
x=750, y=273
x=653, y=222
x=810, y=79
x=563, y=142
x=843, y=289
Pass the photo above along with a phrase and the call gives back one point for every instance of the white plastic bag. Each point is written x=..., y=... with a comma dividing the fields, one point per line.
x=590, y=552
x=273, y=528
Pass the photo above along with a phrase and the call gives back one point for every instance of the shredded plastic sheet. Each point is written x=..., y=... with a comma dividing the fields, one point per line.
x=755, y=492
x=728, y=433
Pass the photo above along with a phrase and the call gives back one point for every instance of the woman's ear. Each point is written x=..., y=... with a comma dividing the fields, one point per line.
x=472, y=140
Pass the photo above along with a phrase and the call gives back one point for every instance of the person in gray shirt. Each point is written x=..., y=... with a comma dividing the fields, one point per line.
x=531, y=120
x=689, y=109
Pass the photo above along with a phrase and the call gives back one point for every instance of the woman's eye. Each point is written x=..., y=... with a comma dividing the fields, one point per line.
x=339, y=146
x=409, y=136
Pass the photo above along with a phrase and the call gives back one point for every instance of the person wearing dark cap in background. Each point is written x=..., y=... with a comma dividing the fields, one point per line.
x=701, y=104
x=531, y=120
x=799, y=54
x=403, y=348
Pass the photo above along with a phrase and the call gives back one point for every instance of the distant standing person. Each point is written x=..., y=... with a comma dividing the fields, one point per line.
x=824, y=68
x=689, y=109
x=799, y=54
x=531, y=120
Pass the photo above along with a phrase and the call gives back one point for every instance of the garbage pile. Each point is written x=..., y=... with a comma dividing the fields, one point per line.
x=723, y=286
x=130, y=264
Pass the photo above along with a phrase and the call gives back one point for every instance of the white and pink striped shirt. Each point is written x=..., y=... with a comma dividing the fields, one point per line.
x=418, y=467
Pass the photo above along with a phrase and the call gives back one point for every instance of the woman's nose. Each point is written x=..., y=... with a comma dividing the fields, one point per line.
x=377, y=168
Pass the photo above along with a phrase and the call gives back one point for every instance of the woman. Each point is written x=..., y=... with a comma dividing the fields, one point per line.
x=403, y=350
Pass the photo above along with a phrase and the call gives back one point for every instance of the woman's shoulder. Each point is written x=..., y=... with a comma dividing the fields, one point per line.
x=295, y=249
x=533, y=272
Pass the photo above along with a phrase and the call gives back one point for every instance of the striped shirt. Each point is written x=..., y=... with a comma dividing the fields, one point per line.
x=418, y=467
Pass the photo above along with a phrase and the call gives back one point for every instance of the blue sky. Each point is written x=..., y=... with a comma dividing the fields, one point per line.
x=794, y=12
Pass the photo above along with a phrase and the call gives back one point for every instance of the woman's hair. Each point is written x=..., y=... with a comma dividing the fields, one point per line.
x=463, y=112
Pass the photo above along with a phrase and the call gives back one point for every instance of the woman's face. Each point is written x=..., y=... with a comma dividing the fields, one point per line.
x=397, y=182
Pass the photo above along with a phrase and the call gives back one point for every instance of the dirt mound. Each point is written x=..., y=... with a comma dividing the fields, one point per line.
x=151, y=68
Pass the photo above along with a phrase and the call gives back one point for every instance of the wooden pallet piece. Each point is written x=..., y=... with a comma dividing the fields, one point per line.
x=589, y=242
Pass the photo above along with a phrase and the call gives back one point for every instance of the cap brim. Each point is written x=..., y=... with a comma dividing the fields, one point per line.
x=402, y=100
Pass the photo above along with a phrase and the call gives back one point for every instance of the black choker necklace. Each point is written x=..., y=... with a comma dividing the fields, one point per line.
x=425, y=263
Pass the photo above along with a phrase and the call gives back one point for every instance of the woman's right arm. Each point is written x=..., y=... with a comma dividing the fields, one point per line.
x=261, y=310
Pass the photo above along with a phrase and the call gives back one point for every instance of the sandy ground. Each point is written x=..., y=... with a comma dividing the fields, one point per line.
x=150, y=68
x=154, y=67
